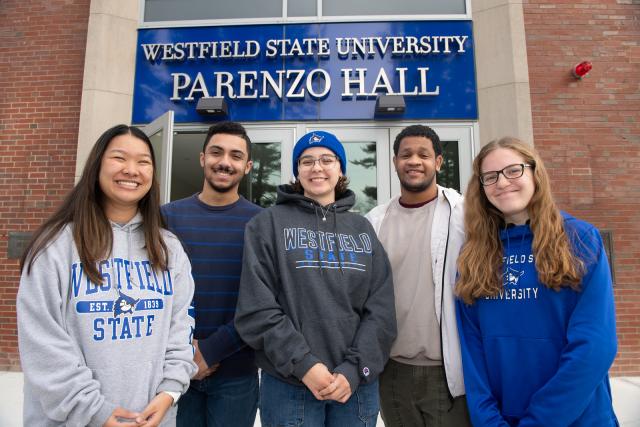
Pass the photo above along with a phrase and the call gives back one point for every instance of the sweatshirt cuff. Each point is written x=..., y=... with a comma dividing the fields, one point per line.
x=220, y=345
x=210, y=351
x=303, y=366
x=174, y=395
x=103, y=414
x=350, y=372
x=171, y=385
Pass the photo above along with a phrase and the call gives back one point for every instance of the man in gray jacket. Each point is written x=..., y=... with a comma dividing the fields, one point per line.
x=422, y=232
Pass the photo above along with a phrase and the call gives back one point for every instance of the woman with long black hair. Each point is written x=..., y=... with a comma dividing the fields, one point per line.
x=103, y=306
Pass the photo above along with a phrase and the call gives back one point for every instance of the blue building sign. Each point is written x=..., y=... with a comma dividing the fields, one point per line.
x=323, y=71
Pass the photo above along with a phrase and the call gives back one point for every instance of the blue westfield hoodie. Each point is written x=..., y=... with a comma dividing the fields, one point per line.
x=536, y=357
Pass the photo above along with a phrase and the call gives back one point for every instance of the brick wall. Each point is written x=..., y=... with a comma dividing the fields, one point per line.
x=588, y=131
x=42, y=47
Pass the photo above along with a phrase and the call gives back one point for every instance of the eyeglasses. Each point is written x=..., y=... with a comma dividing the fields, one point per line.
x=326, y=161
x=509, y=172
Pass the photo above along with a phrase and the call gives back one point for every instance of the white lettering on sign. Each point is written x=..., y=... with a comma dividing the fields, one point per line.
x=290, y=84
x=201, y=50
x=300, y=83
x=382, y=84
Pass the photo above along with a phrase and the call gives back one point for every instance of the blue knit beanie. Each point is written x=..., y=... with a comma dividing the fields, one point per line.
x=319, y=138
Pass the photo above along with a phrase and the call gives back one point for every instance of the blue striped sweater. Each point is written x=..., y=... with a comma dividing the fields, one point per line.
x=213, y=238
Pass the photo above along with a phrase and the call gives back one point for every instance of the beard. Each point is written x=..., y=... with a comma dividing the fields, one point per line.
x=418, y=187
x=224, y=188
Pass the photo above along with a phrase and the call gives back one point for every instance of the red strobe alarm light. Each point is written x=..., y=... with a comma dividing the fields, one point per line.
x=582, y=69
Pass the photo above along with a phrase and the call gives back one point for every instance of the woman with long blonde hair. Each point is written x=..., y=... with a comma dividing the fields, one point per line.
x=535, y=311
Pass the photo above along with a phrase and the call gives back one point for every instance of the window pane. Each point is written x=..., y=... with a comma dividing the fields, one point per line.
x=449, y=175
x=172, y=10
x=397, y=7
x=362, y=174
x=302, y=8
x=264, y=176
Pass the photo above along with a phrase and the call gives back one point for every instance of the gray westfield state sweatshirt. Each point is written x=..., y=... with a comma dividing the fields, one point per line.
x=85, y=348
x=316, y=286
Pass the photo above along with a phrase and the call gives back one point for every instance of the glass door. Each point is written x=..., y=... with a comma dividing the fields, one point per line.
x=369, y=149
x=160, y=132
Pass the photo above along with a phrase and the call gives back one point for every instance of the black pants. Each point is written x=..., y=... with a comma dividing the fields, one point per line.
x=417, y=396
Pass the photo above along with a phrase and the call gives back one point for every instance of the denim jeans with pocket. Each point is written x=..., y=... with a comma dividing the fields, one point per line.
x=287, y=405
x=219, y=402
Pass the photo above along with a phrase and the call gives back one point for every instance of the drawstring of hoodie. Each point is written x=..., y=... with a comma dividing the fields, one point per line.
x=127, y=277
x=522, y=239
x=335, y=234
x=315, y=211
x=332, y=207
x=117, y=228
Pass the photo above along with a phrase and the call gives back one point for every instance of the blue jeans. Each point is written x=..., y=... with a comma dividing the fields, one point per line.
x=219, y=402
x=286, y=405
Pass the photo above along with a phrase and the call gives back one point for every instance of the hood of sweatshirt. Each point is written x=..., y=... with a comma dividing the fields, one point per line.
x=130, y=226
x=128, y=237
x=287, y=195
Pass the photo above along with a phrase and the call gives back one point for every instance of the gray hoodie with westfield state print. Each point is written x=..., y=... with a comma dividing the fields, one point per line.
x=316, y=286
x=87, y=349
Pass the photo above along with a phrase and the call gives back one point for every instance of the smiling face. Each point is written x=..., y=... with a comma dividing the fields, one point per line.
x=225, y=161
x=417, y=164
x=319, y=183
x=509, y=196
x=126, y=175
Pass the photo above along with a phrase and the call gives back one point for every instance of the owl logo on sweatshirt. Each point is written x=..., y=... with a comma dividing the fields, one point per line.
x=124, y=305
x=511, y=276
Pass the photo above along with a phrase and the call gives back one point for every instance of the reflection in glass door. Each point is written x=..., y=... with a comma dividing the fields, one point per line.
x=271, y=154
x=362, y=172
x=449, y=175
x=260, y=185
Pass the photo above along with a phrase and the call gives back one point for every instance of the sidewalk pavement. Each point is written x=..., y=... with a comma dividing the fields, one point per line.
x=626, y=400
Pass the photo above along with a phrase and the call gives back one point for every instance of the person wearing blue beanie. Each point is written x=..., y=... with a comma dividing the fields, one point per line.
x=316, y=297
x=319, y=138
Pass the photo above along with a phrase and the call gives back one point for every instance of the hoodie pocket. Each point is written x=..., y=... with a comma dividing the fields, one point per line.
x=329, y=337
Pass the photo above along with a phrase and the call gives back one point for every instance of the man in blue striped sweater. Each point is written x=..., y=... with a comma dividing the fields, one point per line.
x=211, y=225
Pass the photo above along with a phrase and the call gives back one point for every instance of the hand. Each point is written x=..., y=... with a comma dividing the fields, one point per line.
x=152, y=415
x=204, y=370
x=339, y=389
x=317, y=378
x=121, y=417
